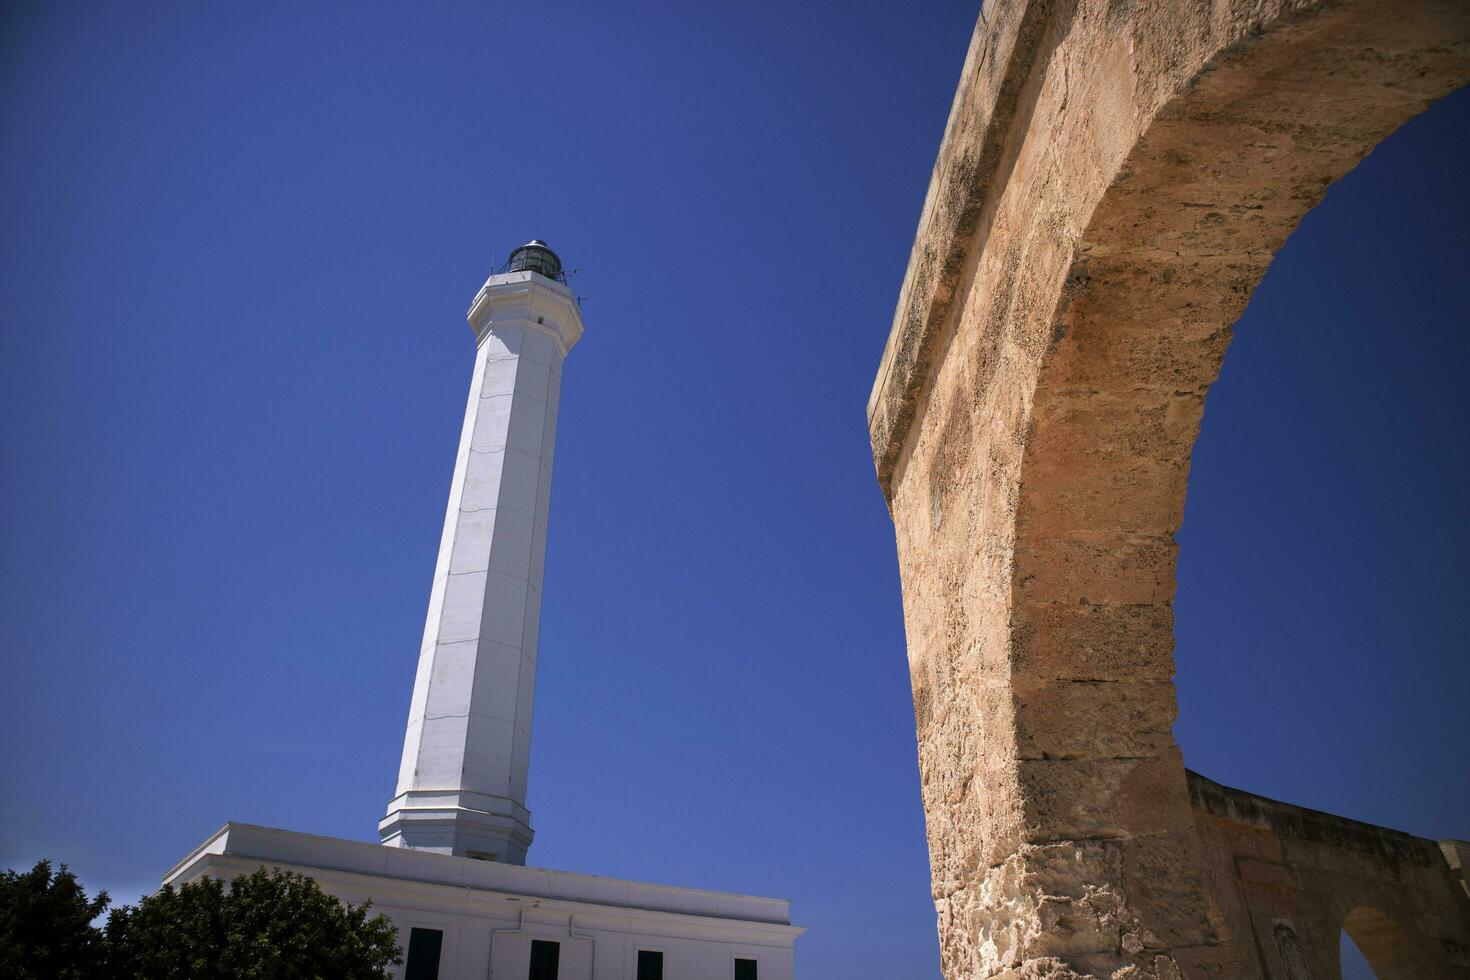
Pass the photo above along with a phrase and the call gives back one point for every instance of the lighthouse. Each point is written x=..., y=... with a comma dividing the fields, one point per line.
x=462, y=781
x=453, y=878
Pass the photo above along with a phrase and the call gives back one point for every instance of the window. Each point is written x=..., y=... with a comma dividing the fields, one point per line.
x=650, y=965
x=745, y=970
x=423, y=954
x=545, y=959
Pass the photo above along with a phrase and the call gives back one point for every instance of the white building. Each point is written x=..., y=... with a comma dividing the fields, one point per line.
x=449, y=871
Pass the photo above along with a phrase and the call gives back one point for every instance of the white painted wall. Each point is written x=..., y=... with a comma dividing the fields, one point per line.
x=466, y=752
x=490, y=912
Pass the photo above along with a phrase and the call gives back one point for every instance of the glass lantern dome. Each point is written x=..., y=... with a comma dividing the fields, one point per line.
x=535, y=256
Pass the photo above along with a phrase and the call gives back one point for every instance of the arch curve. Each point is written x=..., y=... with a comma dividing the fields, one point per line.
x=1113, y=183
x=1389, y=950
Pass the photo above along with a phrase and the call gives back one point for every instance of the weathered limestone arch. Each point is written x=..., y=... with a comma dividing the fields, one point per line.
x=1114, y=180
x=1387, y=948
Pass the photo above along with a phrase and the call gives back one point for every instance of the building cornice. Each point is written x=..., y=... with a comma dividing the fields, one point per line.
x=527, y=299
x=1003, y=51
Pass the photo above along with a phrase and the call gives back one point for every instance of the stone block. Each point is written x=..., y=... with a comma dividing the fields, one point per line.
x=538, y=348
x=504, y=607
x=510, y=551
x=527, y=427
x=464, y=607
x=1093, y=720
x=498, y=375
x=495, y=685
x=1071, y=799
x=452, y=671
x=1094, y=642
x=487, y=746
x=492, y=424
x=480, y=477
x=1106, y=569
x=533, y=381
x=442, y=746
x=474, y=532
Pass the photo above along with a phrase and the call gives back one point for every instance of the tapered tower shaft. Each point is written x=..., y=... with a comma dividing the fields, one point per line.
x=462, y=782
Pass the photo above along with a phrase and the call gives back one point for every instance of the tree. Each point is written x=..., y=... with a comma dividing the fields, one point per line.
x=46, y=930
x=264, y=925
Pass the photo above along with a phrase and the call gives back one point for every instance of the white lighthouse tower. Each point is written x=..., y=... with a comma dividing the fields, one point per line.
x=462, y=782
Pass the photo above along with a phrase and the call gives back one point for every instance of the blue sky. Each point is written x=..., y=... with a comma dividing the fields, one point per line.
x=239, y=246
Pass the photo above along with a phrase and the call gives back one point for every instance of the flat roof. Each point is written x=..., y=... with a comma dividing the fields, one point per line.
x=270, y=845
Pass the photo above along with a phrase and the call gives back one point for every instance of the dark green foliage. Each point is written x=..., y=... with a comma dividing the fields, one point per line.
x=270, y=925
x=265, y=925
x=46, y=926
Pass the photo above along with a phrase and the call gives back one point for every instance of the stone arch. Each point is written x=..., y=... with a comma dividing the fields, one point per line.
x=1113, y=183
x=1389, y=950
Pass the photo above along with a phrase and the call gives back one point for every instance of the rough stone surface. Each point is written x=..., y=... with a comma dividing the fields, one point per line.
x=1114, y=180
x=1291, y=880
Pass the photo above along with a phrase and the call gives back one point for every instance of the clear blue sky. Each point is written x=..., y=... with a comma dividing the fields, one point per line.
x=238, y=246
